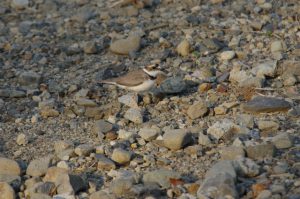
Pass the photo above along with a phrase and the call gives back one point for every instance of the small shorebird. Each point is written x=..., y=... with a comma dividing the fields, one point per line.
x=139, y=80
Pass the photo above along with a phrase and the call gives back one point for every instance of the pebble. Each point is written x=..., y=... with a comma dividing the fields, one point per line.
x=126, y=46
x=102, y=126
x=84, y=149
x=260, y=151
x=227, y=55
x=265, y=194
x=19, y=4
x=276, y=46
x=282, y=141
x=183, y=48
x=90, y=47
x=6, y=191
x=197, y=110
x=265, y=69
x=177, y=138
x=121, y=156
x=122, y=134
x=29, y=80
x=232, y=152
x=101, y=195
x=134, y=115
x=204, y=139
x=22, y=139
x=63, y=164
x=104, y=163
x=39, y=196
x=161, y=177
x=267, y=125
x=38, y=167
x=9, y=167
x=149, y=134
x=86, y=102
x=121, y=187
x=262, y=104
x=130, y=100
x=222, y=129
x=62, y=145
x=172, y=85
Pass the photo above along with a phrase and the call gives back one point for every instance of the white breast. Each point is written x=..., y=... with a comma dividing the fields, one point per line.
x=147, y=85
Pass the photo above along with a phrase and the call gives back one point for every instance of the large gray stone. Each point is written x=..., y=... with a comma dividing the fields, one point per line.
x=6, y=191
x=161, y=177
x=38, y=167
x=177, y=139
x=262, y=104
x=9, y=167
x=260, y=150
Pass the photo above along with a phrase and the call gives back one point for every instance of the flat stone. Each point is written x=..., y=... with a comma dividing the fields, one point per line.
x=29, y=80
x=38, y=167
x=49, y=112
x=172, y=85
x=102, y=126
x=126, y=46
x=222, y=130
x=104, y=163
x=177, y=139
x=86, y=102
x=121, y=156
x=232, y=153
x=223, y=166
x=19, y=4
x=246, y=120
x=197, y=110
x=39, y=196
x=121, y=187
x=84, y=149
x=282, y=141
x=267, y=125
x=130, y=100
x=183, y=48
x=7, y=192
x=276, y=46
x=134, y=115
x=161, y=177
x=101, y=195
x=262, y=104
x=227, y=55
x=9, y=167
x=149, y=134
x=260, y=151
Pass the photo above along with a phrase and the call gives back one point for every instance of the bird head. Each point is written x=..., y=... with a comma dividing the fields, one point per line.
x=154, y=70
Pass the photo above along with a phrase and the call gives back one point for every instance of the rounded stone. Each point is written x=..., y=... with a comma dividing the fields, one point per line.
x=177, y=139
x=121, y=156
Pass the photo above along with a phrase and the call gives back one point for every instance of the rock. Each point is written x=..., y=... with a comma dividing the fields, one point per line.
x=276, y=46
x=267, y=126
x=39, y=196
x=149, y=134
x=198, y=109
x=22, y=139
x=232, y=153
x=12, y=180
x=84, y=149
x=246, y=167
x=183, y=48
x=65, y=183
x=204, y=139
x=222, y=130
x=172, y=85
x=177, y=139
x=6, y=191
x=261, y=104
x=264, y=194
x=265, y=69
x=19, y=4
x=122, y=134
x=90, y=47
x=227, y=55
x=63, y=164
x=29, y=80
x=249, y=82
x=130, y=100
x=246, y=120
x=121, y=187
x=121, y=156
x=62, y=145
x=101, y=195
x=86, y=102
x=282, y=141
x=219, y=181
x=161, y=177
x=126, y=46
x=46, y=188
x=49, y=112
x=9, y=167
x=102, y=126
x=104, y=163
x=134, y=115
x=260, y=151
x=38, y=167
x=294, y=112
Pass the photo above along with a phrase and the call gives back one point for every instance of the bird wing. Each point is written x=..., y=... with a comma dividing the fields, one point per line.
x=133, y=78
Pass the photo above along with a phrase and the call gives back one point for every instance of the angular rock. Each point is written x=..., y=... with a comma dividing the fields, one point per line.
x=183, y=48
x=246, y=167
x=223, y=166
x=121, y=187
x=62, y=145
x=22, y=139
x=199, y=109
x=261, y=104
x=265, y=69
x=102, y=126
x=172, y=85
x=282, y=141
x=9, y=167
x=222, y=130
x=90, y=47
x=126, y=46
x=266, y=125
x=84, y=149
x=177, y=139
x=204, y=139
x=260, y=151
x=104, y=163
x=101, y=195
x=121, y=156
x=86, y=102
x=125, y=135
x=7, y=192
x=161, y=177
x=232, y=153
x=130, y=100
x=38, y=167
x=227, y=55
x=39, y=196
x=149, y=134
x=135, y=115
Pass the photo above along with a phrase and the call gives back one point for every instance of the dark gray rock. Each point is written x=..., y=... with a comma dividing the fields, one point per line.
x=172, y=85
x=266, y=104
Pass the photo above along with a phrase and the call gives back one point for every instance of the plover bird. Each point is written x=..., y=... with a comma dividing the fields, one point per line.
x=139, y=80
